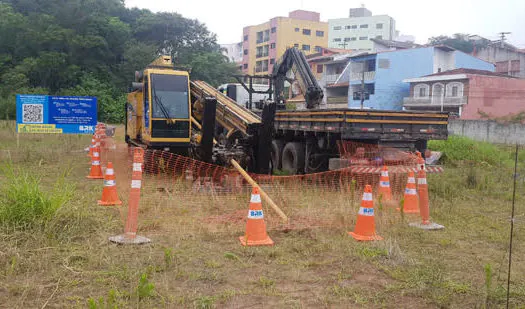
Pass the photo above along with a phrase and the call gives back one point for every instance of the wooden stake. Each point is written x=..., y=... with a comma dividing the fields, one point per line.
x=264, y=195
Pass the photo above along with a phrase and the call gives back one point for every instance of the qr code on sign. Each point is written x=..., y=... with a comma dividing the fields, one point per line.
x=33, y=113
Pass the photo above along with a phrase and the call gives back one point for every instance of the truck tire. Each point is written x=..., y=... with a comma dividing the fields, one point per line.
x=276, y=153
x=293, y=158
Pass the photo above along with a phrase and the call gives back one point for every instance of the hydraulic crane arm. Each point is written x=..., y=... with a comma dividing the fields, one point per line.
x=293, y=59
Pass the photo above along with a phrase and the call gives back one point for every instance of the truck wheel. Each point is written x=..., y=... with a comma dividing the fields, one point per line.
x=293, y=158
x=276, y=153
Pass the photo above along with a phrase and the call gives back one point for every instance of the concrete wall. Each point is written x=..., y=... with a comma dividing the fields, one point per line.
x=494, y=96
x=488, y=131
x=466, y=61
x=389, y=86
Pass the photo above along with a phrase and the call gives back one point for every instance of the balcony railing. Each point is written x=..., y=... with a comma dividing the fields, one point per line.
x=358, y=76
x=429, y=101
x=337, y=100
x=330, y=78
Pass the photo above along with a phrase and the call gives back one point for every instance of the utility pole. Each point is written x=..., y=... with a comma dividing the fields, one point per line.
x=503, y=37
x=363, y=86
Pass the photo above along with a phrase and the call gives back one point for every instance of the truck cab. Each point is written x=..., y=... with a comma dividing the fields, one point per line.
x=159, y=108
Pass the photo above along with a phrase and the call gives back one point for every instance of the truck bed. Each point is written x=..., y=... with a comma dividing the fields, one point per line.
x=367, y=124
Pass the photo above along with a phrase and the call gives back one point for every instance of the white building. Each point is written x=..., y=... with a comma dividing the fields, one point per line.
x=232, y=51
x=356, y=31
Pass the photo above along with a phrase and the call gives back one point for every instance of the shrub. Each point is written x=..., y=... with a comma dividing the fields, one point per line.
x=458, y=149
x=23, y=204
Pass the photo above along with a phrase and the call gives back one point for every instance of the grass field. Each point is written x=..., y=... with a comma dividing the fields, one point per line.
x=54, y=249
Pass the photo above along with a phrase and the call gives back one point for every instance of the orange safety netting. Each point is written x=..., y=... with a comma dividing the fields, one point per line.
x=175, y=184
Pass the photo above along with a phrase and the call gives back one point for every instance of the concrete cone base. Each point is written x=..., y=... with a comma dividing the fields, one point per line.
x=428, y=227
x=264, y=242
x=124, y=240
x=364, y=238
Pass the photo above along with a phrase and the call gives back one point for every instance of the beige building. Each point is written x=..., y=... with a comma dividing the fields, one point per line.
x=264, y=44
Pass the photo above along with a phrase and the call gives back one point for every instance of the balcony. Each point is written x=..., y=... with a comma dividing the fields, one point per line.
x=429, y=101
x=330, y=78
x=337, y=100
x=358, y=76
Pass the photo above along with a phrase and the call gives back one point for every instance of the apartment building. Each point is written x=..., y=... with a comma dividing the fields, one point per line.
x=264, y=44
x=356, y=31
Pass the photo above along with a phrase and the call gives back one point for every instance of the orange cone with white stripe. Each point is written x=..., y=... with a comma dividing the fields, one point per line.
x=255, y=226
x=130, y=229
x=92, y=146
x=422, y=190
x=109, y=193
x=411, y=204
x=365, y=227
x=384, y=185
x=96, y=168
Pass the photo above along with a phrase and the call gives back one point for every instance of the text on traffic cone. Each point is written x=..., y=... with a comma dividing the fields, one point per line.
x=256, y=234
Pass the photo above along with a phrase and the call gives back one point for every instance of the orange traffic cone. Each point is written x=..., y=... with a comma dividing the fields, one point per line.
x=411, y=204
x=255, y=226
x=384, y=185
x=365, y=227
x=92, y=146
x=96, y=169
x=422, y=190
x=109, y=193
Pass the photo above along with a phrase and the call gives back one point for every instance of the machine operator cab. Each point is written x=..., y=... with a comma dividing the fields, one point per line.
x=159, y=108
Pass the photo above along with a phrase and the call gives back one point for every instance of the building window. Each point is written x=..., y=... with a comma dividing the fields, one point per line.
x=272, y=61
x=454, y=89
x=319, y=68
x=354, y=26
x=245, y=38
x=379, y=37
x=362, y=38
x=348, y=27
x=353, y=39
x=306, y=47
x=240, y=67
x=363, y=26
x=337, y=28
x=274, y=29
x=259, y=37
x=421, y=91
x=296, y=29
x=264, y=65
x=245, y=66
x=246, y=52
x=438, y=92
x=347, y=39
x=272, y=46
x=337, y=40
x=262, y=51
x=266, y=36
x=307, y=31
x=296, y=45
x=379, y=26
x=318, y=49
x=319, y=33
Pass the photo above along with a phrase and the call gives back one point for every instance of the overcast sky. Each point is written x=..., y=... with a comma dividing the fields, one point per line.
x=421, y=18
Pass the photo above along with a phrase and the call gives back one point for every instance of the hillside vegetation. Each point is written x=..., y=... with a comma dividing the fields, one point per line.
x=93, y=47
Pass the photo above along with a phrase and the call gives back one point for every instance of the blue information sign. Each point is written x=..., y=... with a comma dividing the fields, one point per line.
x=55, y=114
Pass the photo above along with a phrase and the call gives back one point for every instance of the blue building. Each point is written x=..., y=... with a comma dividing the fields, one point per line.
x=384, y=72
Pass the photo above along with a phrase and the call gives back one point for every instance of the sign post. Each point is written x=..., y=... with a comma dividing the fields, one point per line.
x=56, y=114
